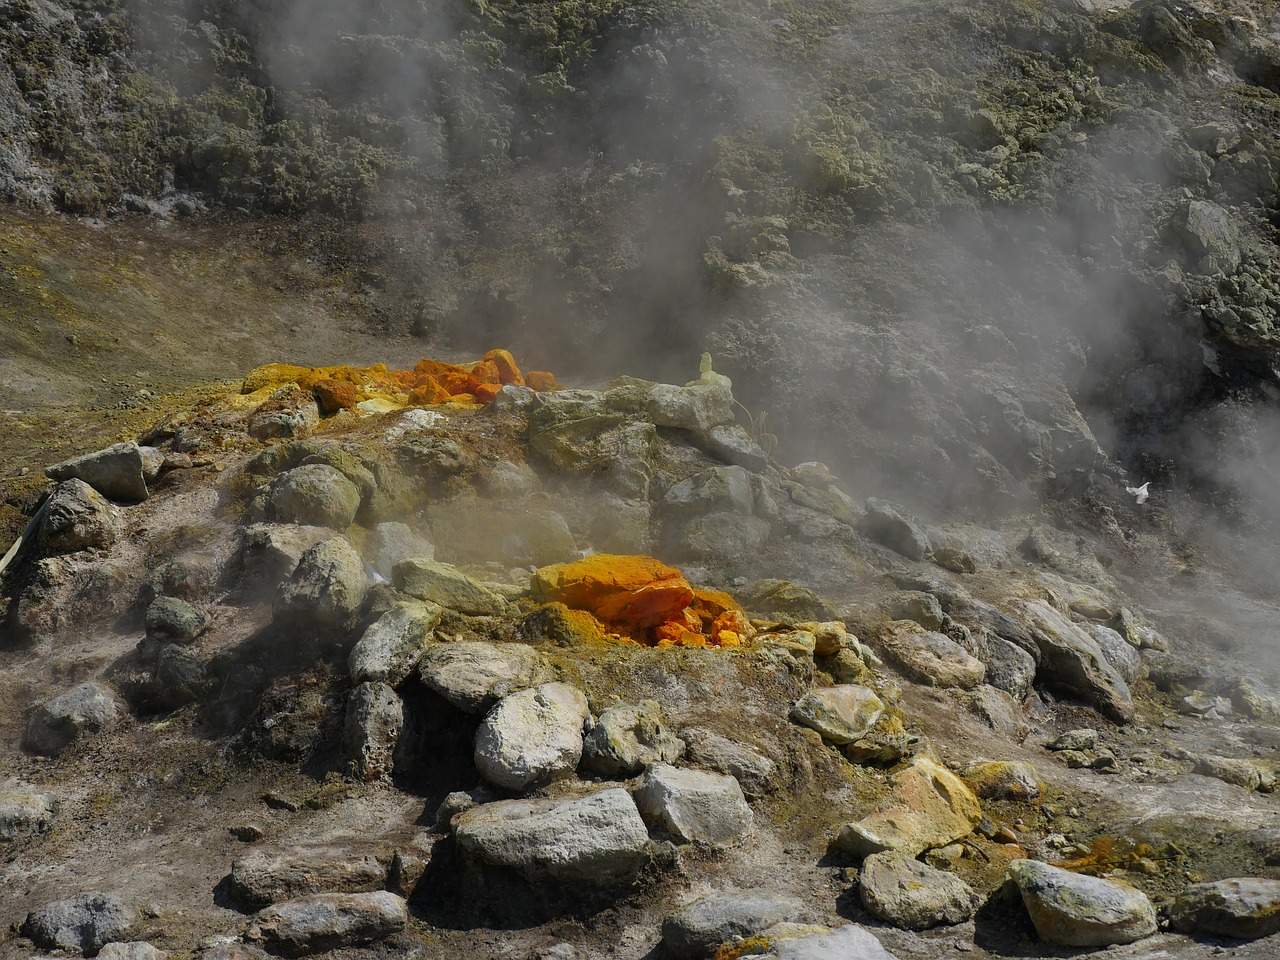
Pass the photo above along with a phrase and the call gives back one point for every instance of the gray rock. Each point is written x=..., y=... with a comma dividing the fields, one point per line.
x=698, y=929
x=517, y=536
x=719, y=535
x=841, y=714
x=893, y=527
x=628, y=737
x=693, y=806
x=698, y=407
x=733, y=444
x=622, y=526
x=396, y=542
x=270, y=552
x=1010, y=668
x=138, y=950
x=85, y=709
x=1075, y=910
x=24, y=811
x=77, y=517
x=1208, y=233
x=84, y=923
x=270, y=875
x=912, y=895
x=532, y=736
x=929, y=806
x=115, y=471
x=446, y=585
x=1119, y=652
x=851, y=941
x=1242, y=773
x=930, y=658
x=1084, y=738
x=473, y=675
x=597, y=840
x=390, y=650
x=612, y=450
x=784, y=600
x=375, y=719
x=232, y=951
x=174, y=620
x=706, y=748
x=326, y=591
x=180, y=676
x=1003, y=780
x=328, y=921
x=717, y=490
x=1073, y=661
x=1241, y=908
x=314, y=494
x=924, y=608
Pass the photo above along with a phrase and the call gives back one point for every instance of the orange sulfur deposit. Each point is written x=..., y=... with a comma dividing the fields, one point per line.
x=645, y=599
x=429, y=382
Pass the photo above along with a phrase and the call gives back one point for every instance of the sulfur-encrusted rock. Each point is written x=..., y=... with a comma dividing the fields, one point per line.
x=269, y=875
x=693, y=806
x=24, y=811
x=314, y=494
x=1241, y=908
x=929, y=657
x=326, y=591
x=83, y=923
x=532, y=736
x=598, y=840
x=626, y=738
x=116, y=471
x=929, y=807
x=328, y=921
x=446, y=585
x=1003, y=780
x=628, y=592
x=1081, y=911
x=697, y=930
x=907, y=893
x=841, y=714
x=752, y=769
x=473, y=675
x=375, y=719
x=77, y=517
x=392, y=646
x=55, y=724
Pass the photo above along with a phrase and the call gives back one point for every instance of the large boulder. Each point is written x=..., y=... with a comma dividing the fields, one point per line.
x=597, y=840
x=173, y=620
x=532, y=736
x=1071, y=660
x=698, y=407
x=314, y=494
x=716, y=490
x=698, y=929
x=328, y=921
x=1074, y=910
x=116, y=471
x=326, y=591
x=77, y=517
x=446, y=585
x=270, y=875
x=693, y=806
x=83, y=923
x=892, y=526
x=929, y=807
x=85, y=709
x=907, y=893
x=1241, y=908
x=628, y=737
x=928, y=657
x=841, y=714
x=270, y=552
x=375, y=720
x=1209, y=234
x=627, y=592
x=474, y=675
x=24, y=811
x=390, y=650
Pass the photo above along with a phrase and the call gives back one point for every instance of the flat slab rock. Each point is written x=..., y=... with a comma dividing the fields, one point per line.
x=474, y=675
x=1242, y=908
x=698, y=929
x=328, y=921
x=1074, y=910
x=265, y=875
x=598, y=839
x=694, y=806
x=851, y=941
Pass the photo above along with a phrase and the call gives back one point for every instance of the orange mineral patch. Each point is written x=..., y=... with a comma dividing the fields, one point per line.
x=334, y=395
x=542, y=381
x=629, y=592
x=508, y=369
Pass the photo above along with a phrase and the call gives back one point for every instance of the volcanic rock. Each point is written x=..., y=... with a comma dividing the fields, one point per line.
x=907, y=893
x=717, y=490
x=1241, y=908
x=721, y=534
x=628, y=592
x=266, y=875
x=698, y=929
x=597, y=840
x=1075, y=910
x=326, y=591
x=83, y=923
x=1072, y=660
x=733, y=444
x=1009, y=668
x=929, y=657
x=138, y=950
x=893, y=527
x=24, y=811
x=929, y=807
x=519, y=536
x=328, y=921
x=784, y=600
x=314, y=494
x=392, y=646
x=375, y=719
x=628, y=737
x=1119, y=652
x=270, y=552
x=847, y=941
x=446, y=585
x=396, y=542
x=1003, y=780
x=77, y=517
x=87, y=708
x=693, y=806
x=532, y=736
x=115, y=471
x=841, y=714
x=1208, y=232
x=473, y=675
x=180, y=677
x=698, y=407
x=171, y=619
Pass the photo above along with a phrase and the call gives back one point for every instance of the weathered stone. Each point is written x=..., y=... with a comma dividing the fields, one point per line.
x=733, y=444
x=326, y=591
x=929, y=807
x=1243, y=773
x=328, y=921
x=929, y=657
x=115, y=471
x=314, y=494
x=180, y=677
x=131, y=951
x=714, y=535
x=270, y=552
x=1072, y=660
x=84, y=923
x=624, y=591
x=893, y=527
x=1075, y=910
x=375, y=719
x=1000, y=712
x=916, y=605
x=628, y=737
x=698, y=929
x=232, y=951
x=1122, y=655
x=532, y=736
x=784, y=600
x=174, y=620
x=520, y=536
x=85, y=709
x=612, y=450
x=390, y=650
x=1003, y=780
x=1241, y=908
x=77, y=517
x=706, y=748
x=693, y=806
x=1209, y=233
x=841, y=714
x=698, y=407
x=396, y=542
x=473, y=675
x=717, y=490
x=265, y=875
x=597, y=840
x=1085, y=738
x=850, y=941
x=910, y=894
x=446, y=585
x=1009, y=668
x=24, y=811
